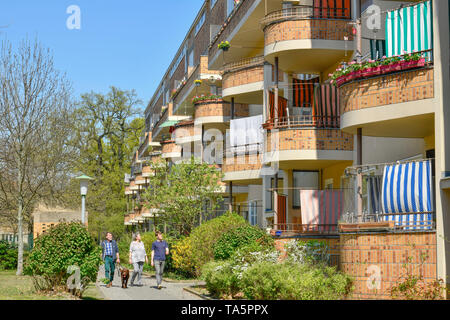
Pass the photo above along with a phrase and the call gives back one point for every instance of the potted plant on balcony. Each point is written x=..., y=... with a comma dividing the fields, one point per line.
x=224, y=45
x=197, y=82
x=413, y=60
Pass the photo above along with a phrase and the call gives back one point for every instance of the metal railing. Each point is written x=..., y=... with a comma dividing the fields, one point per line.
x=305, y=12
x=321, y=229
x=243, y=64
x=398, y=221
x=304, y=121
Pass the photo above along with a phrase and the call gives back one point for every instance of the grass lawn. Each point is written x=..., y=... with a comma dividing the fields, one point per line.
x=14, y=287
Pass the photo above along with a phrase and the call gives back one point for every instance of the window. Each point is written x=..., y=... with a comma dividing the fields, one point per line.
x=303, y=180
x=200, y=23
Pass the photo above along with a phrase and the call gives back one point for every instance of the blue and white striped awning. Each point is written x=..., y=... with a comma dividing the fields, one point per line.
x=409, y=29
x=408, y=188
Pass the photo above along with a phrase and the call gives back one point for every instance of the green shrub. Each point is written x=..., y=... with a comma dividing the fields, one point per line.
x=294, y=281
x=239, y=237
x=205, y=236
x=8, y=256
x=220, y=279
x=63, y=245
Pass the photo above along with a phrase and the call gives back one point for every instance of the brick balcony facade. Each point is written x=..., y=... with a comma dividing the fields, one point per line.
x=308, y=139
x=307, y=29
x=214, y=108
x=241, y=163
x=387, y=89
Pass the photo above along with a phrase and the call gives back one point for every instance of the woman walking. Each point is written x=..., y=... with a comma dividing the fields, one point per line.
x=137, y=259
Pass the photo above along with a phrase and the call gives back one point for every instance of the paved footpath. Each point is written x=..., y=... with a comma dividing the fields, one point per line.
x=169, y=291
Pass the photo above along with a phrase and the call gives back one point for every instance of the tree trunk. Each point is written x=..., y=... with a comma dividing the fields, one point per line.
x=20, y=242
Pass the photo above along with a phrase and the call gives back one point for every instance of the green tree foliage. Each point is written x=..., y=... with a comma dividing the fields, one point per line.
x=64, y=245
x=240, y=237
x=107, y=131
x=8, y=256
x=180, y=192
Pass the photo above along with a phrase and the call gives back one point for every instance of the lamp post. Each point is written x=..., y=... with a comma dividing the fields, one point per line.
x=84, y=180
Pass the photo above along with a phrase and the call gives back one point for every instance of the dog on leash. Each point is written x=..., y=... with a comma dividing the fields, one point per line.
x=124, y=275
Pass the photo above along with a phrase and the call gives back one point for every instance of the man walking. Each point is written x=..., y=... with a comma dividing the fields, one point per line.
x=110, y=255
x=159, y=251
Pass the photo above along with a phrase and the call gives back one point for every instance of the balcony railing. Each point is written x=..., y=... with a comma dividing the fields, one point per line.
x=243, y=64
x=303, y=121
x=313, y=229
x=306, y=12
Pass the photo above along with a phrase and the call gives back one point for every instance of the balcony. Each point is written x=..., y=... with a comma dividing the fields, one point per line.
x=217, y=111
x=239, y=29
x=170, y=149
x=321, y=36
x=392, y=104
x=385, y=206
x=146, y=145
x=186, y=132
x=308, y=147
x=244, y=80
x=242, y=164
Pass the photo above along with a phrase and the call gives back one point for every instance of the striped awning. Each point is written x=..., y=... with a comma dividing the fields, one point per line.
x=409, y=29
x=408, y=188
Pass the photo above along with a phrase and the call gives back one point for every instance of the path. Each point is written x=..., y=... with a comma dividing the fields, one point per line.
x=170, y=291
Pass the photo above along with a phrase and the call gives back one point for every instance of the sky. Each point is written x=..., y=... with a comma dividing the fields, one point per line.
x=127, y=44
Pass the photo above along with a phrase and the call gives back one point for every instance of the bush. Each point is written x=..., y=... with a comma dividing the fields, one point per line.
x=220, y=279
x=239, y=237
x=64, y=245
x=182, y=257
x=311, y=251
x=294, y=281
x=8, y=256
x=205, y=236
x=223, y=278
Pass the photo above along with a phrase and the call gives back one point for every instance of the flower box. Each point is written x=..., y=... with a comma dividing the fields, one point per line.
x=413, y=64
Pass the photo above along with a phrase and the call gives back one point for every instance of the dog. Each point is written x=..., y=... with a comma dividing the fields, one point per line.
x=124, y=275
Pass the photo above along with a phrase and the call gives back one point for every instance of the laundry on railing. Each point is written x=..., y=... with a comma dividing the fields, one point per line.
x=281, y=110
x=408, y=188
x=303, y=92
x=326, y=106
x=246, y=131
x=332, y=9
x=321, y=207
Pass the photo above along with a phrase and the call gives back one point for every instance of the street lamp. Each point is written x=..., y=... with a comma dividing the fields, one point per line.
x=84, y=179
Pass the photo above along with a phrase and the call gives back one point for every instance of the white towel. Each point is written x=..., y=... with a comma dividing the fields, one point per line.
x=246, y=131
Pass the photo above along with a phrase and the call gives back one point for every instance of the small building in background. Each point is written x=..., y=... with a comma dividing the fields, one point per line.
x=47, y=217
x=8, y=232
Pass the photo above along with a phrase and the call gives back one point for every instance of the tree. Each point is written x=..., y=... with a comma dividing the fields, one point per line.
x=180, y=193
x=35, y=102
x=107, y=131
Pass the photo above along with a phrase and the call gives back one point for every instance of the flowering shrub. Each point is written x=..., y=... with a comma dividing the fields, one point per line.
x=312, y=252
x=182, y=256
x=207, y=97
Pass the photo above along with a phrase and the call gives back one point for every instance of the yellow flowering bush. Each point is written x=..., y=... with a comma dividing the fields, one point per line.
x=182, y=256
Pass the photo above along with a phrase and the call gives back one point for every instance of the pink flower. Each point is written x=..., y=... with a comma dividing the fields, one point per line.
x=371, y=61
x=330, y=74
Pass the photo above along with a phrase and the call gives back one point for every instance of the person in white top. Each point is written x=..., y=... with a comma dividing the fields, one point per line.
x=137, y=259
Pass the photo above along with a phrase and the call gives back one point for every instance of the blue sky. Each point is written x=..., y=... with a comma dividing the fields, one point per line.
x=128, y=44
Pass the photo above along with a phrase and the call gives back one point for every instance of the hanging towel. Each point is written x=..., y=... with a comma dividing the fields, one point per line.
x=408, y=188
x=321, y=207
x=246, y=131
x=409, y=29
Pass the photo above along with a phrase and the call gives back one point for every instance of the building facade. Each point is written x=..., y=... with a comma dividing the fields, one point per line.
x=253, y=89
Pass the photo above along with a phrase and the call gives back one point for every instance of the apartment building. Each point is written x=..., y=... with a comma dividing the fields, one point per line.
x=300, y=154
